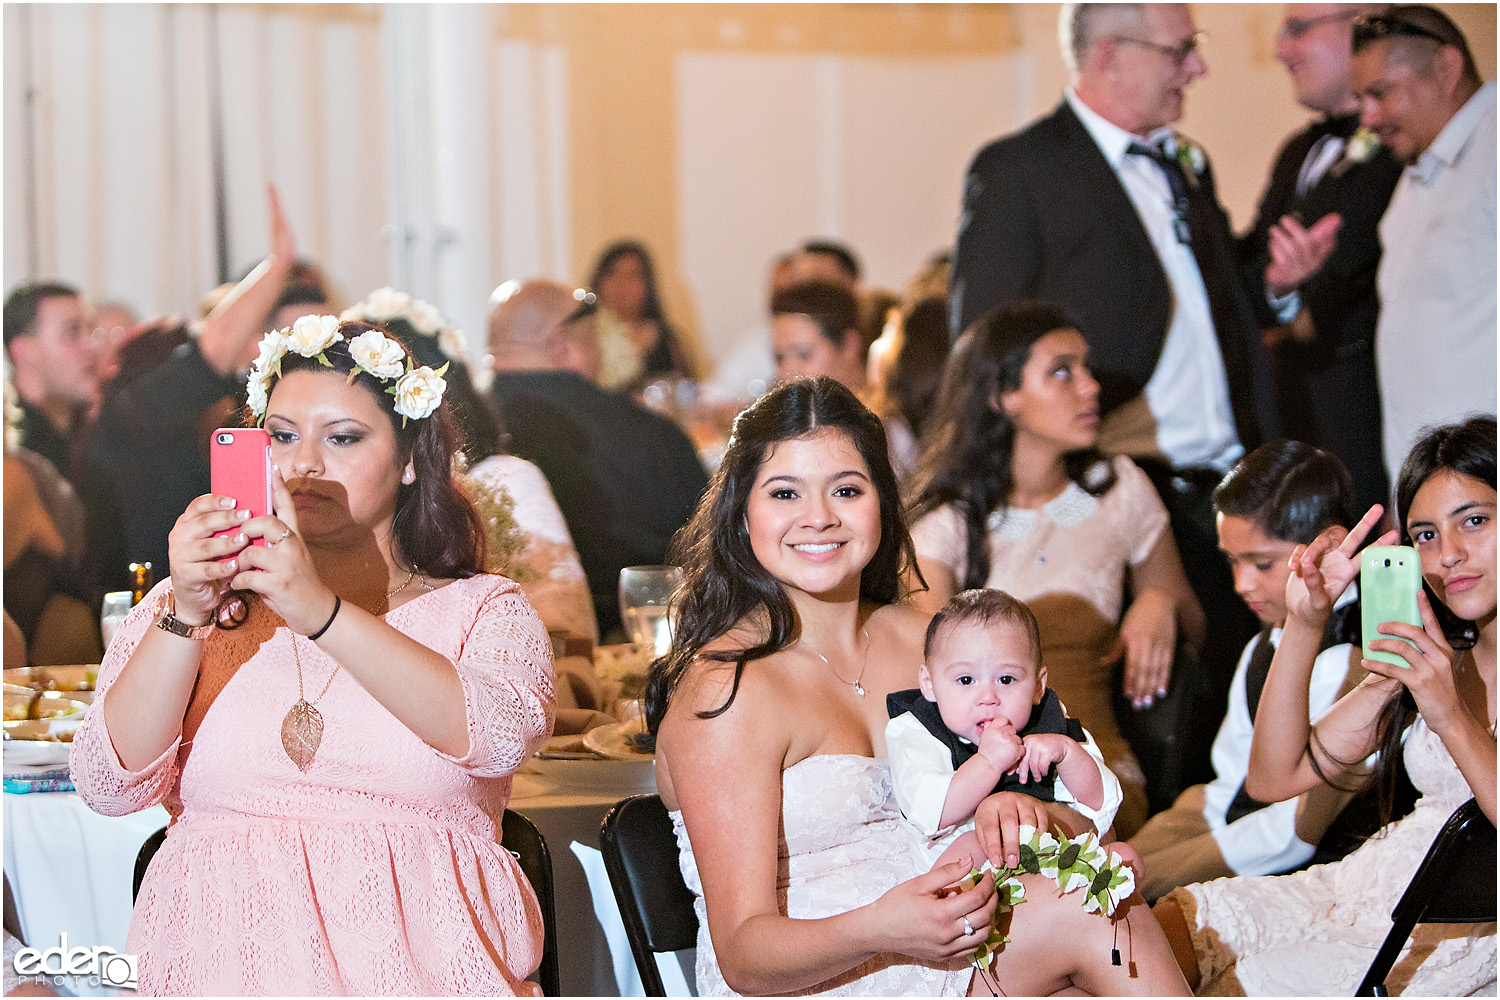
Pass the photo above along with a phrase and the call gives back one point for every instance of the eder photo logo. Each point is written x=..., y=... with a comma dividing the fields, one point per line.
x=101, y=966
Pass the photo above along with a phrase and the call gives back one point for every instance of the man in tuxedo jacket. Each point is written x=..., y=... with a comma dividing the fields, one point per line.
x=1329, y=177
x=1101, y=207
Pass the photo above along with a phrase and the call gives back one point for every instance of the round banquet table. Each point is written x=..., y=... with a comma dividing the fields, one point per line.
x=70, y=871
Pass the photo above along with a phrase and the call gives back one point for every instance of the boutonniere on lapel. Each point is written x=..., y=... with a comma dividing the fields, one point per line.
x=1191, y=158
x=1361, y=148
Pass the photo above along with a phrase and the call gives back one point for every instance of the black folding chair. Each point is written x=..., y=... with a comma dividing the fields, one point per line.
x=640, y=855
x=143, y=860
x=1454, y=885
x=523, y=840
x=518, y=835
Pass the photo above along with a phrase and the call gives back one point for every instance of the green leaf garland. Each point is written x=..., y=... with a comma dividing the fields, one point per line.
x=1072, y=863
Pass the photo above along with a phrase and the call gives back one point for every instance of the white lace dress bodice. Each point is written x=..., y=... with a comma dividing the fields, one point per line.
x=842, y=848
x=1315, y=932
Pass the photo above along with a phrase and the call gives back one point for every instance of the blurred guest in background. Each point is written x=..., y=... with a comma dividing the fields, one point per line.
x=1421, y=94
x=815, y=330
x=905, y=375
x=637, y=343
x=114, y=325
x=151, y=448
x=1104, y=209
x=748, y=368
x=526, y=537
x=626, y=478
x=54, y=365
x=826, y=260
x=1330, y=181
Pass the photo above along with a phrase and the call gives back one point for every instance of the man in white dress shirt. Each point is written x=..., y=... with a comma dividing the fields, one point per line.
x=1435, y=344
x=1104, y=209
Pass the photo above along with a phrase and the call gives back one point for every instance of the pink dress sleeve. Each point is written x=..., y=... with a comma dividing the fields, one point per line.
x=102, y=781
x=506, y=671
x=1142, y=509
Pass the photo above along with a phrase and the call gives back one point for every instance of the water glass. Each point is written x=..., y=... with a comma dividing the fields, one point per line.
x=116, y=607
x=645, y=593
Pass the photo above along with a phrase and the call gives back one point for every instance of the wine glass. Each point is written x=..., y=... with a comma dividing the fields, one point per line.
x=645, y=593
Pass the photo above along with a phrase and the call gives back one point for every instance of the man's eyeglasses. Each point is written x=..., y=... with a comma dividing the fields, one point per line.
x=1376, y=26
x=1296, y=27
x=1177, y=53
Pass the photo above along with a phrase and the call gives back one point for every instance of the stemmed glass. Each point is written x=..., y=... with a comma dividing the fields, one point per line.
x=645, y=593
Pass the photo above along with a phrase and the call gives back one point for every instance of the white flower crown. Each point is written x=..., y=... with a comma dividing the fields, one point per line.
x=386, y=304
x=418, y=390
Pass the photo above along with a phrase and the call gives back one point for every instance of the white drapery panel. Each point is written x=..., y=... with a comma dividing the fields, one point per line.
x=410, y=145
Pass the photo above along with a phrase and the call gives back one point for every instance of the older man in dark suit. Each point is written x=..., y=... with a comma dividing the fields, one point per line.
x=1102, y=207
x=1328, y=176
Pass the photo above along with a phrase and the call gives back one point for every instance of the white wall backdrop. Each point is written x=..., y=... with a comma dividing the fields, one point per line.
x=446, y=147
x=775, y=148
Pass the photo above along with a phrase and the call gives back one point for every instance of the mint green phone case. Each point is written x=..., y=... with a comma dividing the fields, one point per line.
x=1389, y=578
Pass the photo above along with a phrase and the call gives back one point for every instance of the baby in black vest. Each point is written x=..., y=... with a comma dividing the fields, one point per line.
x=984, y=721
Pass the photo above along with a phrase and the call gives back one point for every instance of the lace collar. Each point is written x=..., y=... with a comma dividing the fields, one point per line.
x=1069, y=508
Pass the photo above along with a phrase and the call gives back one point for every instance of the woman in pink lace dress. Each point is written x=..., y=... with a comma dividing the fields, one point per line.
x=336, y=764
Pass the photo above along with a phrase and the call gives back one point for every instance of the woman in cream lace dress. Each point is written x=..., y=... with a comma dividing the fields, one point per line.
x=770, y=719
x=1315, y=932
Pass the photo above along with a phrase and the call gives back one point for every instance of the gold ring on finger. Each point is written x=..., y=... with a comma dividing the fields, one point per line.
x=968, y=927
x=285, y=534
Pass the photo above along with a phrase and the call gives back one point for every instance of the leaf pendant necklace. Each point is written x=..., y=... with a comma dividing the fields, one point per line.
x=302, y=729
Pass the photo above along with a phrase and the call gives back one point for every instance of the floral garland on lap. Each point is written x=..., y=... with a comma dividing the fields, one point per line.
x=1072, y=863
x=418, y=389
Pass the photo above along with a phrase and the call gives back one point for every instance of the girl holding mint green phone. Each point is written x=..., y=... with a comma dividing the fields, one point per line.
x=1316, y=931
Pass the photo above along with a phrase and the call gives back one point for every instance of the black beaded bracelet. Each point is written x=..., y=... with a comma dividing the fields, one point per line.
x=338, y=602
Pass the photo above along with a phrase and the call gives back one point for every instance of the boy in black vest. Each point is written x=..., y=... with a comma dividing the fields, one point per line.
x=1279, y=496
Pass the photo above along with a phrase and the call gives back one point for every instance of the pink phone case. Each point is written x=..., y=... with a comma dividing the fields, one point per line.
x=239, y=461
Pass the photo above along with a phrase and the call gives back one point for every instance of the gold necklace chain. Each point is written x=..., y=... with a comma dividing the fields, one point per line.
x=858, y=682
x=404, y=584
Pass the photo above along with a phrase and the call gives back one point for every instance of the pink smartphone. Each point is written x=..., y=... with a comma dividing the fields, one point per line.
x=239, y=462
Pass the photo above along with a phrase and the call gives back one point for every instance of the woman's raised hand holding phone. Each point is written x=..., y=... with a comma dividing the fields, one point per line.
x=283, y=573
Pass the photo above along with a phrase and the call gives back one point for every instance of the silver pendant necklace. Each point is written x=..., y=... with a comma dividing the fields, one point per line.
x=858, y=682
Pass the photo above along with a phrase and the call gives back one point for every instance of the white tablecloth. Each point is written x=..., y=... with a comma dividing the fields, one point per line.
x=70, y=871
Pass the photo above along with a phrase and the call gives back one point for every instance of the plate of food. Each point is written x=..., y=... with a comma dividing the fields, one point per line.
x=32, y=753
x=620, y=741
x=75, y=678
x=52, y=718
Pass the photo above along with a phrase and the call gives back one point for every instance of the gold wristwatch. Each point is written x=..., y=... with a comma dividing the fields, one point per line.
x=166, y=620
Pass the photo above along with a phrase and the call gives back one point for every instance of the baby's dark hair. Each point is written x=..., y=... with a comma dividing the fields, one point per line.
x=982, y=606
x=1292, y=490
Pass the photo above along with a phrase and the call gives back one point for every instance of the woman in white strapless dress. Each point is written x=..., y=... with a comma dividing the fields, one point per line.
x=770, y=720
x=1316, y=932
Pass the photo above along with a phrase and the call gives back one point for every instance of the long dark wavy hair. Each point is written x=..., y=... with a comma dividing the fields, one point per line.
x=723, y=582
x=436, y=528
x=966, y=460
x=1467, y=448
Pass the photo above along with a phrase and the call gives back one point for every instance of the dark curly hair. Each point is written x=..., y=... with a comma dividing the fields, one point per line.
x=966, y=459
x=723, y=582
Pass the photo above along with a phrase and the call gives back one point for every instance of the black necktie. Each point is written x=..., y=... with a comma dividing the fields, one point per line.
x=1255, y=682
x=1176, y=181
